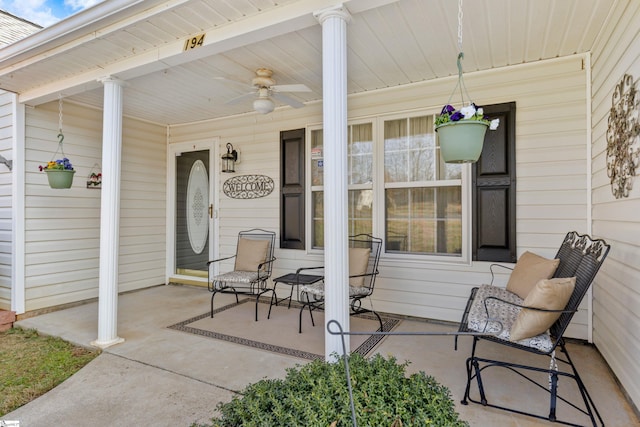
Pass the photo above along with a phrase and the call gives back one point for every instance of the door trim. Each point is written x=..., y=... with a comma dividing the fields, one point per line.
x=173, y=150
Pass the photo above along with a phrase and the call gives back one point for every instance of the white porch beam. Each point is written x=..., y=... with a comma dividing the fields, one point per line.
x=110, y=214
x=271, y=23
x=334, y=113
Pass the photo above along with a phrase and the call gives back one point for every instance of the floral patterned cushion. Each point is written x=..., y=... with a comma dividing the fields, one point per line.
x=501, y=317
x=226, y=280
x=317, y=289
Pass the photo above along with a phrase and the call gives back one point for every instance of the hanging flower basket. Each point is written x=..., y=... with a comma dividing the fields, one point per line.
x=461, y=133
x=461, y=141
x=60, y=178
x=59, y=172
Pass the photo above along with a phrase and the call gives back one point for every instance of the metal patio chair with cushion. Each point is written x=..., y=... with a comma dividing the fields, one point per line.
x=532, y=314
x=252, y=267
x=364, y=255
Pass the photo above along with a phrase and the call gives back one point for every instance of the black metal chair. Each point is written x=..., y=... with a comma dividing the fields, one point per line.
x=580, y=257
x=252, y=267
x=364, y=255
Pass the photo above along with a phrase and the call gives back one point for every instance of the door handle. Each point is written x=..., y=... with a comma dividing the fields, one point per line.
x=211, y=211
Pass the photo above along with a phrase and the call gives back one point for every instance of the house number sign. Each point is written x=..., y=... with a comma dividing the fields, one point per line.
x=248, y=186
x=194, y=42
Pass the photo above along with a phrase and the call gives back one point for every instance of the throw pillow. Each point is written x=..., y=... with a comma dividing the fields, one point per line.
x=529, y=270
x=550, y=294
x=250, y=254
x=358, y=262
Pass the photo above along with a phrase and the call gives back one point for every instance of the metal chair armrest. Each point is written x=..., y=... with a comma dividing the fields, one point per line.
x=261, y=265
x=219, y=259
x=497, y=265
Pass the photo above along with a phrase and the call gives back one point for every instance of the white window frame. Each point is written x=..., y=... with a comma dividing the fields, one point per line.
x=378, y=215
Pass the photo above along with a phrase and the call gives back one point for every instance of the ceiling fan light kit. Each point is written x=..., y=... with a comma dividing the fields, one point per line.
x=263, y=105
x=265, y=91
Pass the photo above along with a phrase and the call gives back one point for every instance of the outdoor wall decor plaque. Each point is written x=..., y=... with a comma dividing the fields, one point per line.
x=248, y=186
x=622, y=137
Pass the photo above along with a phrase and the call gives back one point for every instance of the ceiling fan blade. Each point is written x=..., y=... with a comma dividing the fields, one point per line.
x=287, y=100
x=291, y=88
x=241, y=98
x=234, y=82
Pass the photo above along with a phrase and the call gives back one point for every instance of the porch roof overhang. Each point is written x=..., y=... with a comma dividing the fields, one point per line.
x=390, y=43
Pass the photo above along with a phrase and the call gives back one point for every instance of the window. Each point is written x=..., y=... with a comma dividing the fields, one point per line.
x=423, y=196
x=418, y=203
x=360, y=181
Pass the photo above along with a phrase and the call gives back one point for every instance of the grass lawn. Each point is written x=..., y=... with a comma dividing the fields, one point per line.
x=31, y=365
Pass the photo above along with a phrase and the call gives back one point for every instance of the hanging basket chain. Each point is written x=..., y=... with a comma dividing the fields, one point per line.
x=60, y=148
x=460, y=25
x=460, y=83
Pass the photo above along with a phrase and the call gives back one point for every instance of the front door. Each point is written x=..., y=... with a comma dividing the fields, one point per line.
x=192, y=211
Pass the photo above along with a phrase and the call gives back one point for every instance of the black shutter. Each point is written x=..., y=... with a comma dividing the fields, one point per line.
x=494, y=189
x=292, y=189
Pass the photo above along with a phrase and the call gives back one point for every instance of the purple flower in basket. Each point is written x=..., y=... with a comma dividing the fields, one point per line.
x=471, y=112
x=60, y=164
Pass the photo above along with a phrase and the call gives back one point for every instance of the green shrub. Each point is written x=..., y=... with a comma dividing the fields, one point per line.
x=316, y=394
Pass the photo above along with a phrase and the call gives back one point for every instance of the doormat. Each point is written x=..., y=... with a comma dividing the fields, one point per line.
x=236, y=323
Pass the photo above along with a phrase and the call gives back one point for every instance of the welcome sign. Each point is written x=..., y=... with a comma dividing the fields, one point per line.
x=248, y=186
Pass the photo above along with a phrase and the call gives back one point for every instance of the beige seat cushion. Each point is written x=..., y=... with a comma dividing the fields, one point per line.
x=250, y=254
x=358, y=262
x=529, y=270
x=549, y=294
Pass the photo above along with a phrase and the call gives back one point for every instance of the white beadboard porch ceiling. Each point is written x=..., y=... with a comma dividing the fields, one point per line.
x=390, y=43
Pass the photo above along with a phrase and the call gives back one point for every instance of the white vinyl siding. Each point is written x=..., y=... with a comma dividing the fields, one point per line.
x=63, y=226
x=616, y=304
x=6, y=136
x=14, y=28
x=552, y=178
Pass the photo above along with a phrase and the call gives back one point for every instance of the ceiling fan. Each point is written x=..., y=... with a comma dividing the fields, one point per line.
x=266, y=90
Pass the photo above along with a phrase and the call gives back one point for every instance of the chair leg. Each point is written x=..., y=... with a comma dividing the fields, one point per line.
x=273, y=295
x=553, y=396
x=305, y=304
x=586, y=397
x=379, y=320
x=212, y=295
x=257, y=299
x=474, y=369
x=356, y=308
x=476, y=366
x=300, y=319
x=465, y=399
x=311, y=315
x=290, y=296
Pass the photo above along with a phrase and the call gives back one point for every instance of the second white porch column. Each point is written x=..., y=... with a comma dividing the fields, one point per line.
x=334, y=111
x=110, y=214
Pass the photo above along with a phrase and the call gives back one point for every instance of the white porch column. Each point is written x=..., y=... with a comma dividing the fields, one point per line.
x=334, y=94
x=18, y=227
x=110, y=214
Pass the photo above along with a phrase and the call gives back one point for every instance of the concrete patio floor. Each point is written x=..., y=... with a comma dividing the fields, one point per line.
x=163, y=377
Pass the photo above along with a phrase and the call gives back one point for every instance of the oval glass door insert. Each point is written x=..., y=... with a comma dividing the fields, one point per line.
x=197, y=206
